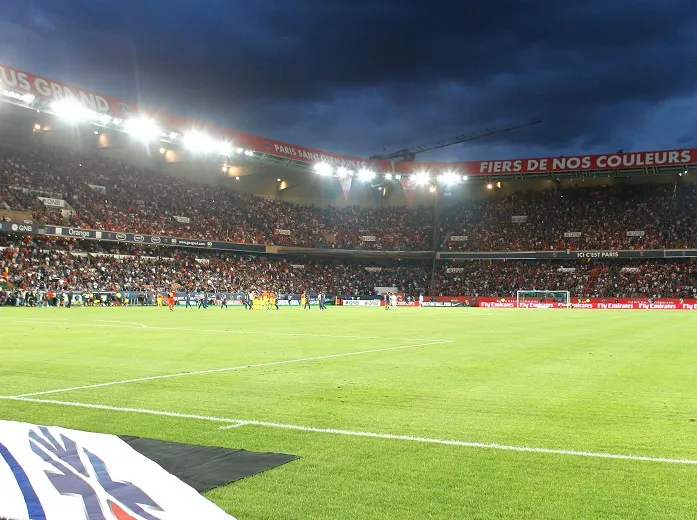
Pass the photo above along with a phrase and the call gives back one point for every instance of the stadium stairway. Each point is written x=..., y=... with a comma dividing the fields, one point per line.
x=593, y=278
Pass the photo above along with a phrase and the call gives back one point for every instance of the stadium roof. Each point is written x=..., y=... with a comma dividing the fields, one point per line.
x=166, y=130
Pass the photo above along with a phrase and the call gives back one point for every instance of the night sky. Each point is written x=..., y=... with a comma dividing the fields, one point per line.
x=362, y=77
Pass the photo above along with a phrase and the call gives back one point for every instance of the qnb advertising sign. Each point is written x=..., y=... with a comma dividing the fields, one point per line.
x=54, y=203
x=56, y=474
x=14, y=227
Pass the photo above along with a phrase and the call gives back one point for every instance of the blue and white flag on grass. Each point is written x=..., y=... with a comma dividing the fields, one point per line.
x=52, y=473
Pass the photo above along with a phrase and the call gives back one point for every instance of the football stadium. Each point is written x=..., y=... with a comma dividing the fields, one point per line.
x=196, y=322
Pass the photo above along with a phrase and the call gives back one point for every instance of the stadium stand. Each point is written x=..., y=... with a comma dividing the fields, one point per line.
x=146, y=202
x=617, y=279
x=602, y=217
x=59, y=264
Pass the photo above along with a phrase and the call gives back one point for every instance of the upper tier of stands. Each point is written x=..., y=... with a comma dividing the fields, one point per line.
x=142, y=202
x=602, y=216
x=145, y=202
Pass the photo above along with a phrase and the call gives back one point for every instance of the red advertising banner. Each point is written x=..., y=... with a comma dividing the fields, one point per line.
x=306, y=155
x=14, y=83
x=617, y=161
x=578, y=303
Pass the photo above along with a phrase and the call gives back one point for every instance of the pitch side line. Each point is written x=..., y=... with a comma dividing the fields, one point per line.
x=230, y=369
x=235, y=423
x=224, y=331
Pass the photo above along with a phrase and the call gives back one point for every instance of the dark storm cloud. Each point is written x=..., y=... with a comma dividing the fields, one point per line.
x=360, y=76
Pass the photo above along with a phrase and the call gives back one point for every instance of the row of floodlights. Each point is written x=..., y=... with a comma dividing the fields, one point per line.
x=145, y=129
x=19, y=96
x=366, y=175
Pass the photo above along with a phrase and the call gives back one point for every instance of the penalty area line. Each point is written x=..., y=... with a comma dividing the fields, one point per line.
x=236, y=423
x=230, y=369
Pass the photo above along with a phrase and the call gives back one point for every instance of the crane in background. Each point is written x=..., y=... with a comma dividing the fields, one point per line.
x=409, y=154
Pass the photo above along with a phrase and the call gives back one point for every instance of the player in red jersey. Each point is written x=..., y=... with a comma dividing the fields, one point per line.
x=171, y=301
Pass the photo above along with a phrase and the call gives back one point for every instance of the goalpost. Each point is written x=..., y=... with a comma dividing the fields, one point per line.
x=528, y=298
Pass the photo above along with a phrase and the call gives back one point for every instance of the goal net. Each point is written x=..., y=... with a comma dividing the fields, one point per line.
x=542, y=299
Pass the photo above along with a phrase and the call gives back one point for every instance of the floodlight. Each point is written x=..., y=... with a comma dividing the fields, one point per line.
x=388, y=176
x=464, y=177
x=26, y=98
x=432, y=189
x=240, y=150
x=224, y=148
x=103, y=119
x=448, y=178
x=199, y=142
x=142, y=128
x=421, y=178
x=366, y=175
x=323, y=169
x=489, y=186
x=70, y=109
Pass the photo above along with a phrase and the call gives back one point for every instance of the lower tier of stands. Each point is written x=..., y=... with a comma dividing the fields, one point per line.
x=60, y=264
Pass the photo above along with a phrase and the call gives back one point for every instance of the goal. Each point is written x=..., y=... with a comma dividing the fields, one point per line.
x=542, y=299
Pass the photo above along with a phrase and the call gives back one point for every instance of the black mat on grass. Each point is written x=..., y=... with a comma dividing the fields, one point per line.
x=205, y=467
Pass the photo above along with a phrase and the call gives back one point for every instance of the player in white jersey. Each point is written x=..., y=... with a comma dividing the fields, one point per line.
x=421, y=300
x=393, y=301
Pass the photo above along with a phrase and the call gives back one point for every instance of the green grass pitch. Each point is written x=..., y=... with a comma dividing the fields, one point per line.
x=596, y=382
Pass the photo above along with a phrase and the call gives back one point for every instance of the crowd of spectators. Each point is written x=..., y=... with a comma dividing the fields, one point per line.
x=108, y=195
x=616, y=279
x=664, y=279
x=60, y=264
x=98, y=266
x=601, y=217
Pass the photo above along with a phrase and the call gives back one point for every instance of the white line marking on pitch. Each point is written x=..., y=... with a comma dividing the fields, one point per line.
x=230, y=369
x=234, y=423
x=225, y=331
x=141, y=325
